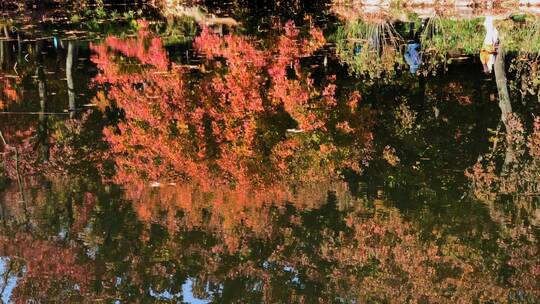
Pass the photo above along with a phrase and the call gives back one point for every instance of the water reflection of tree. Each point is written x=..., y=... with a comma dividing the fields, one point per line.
x=36, y=152
x=244, y=220
x=223, y=127
x=46, y=207
x=525, y=64
x=337, y=248
x=418, y=170
x=303, y=238
x=506, y=180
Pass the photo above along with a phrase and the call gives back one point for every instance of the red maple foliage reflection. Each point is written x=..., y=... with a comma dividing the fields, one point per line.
x=51, y=269
x=226, y=126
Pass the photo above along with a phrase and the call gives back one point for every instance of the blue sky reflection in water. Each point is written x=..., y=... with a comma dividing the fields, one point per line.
x=8, y=284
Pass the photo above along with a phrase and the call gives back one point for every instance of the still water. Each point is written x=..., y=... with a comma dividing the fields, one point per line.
x=315, y=154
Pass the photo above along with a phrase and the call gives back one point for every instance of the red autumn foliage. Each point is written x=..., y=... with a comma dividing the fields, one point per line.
x=8, y=92
x=215, y=129
x=50, y=268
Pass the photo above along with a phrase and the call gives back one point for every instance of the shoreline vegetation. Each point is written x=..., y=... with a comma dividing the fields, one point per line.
x=180, y=6
x=453, y=32
x=454, y=28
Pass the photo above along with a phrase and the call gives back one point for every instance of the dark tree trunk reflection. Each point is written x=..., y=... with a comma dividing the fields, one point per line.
x=504, y=104
x=42, y=134
x=71, y=56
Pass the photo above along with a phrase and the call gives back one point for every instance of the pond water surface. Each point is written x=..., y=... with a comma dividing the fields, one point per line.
x=316, y=154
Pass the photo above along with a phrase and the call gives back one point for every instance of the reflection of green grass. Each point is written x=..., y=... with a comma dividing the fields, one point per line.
x=177, y=31
x=465, y=37
x=378, y=44
x=525, y=41
x=524, y=38
x=454, y=36
x=442, y=40
x=102, y=22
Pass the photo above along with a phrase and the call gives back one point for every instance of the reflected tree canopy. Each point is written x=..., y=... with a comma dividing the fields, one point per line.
x=193, y=155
